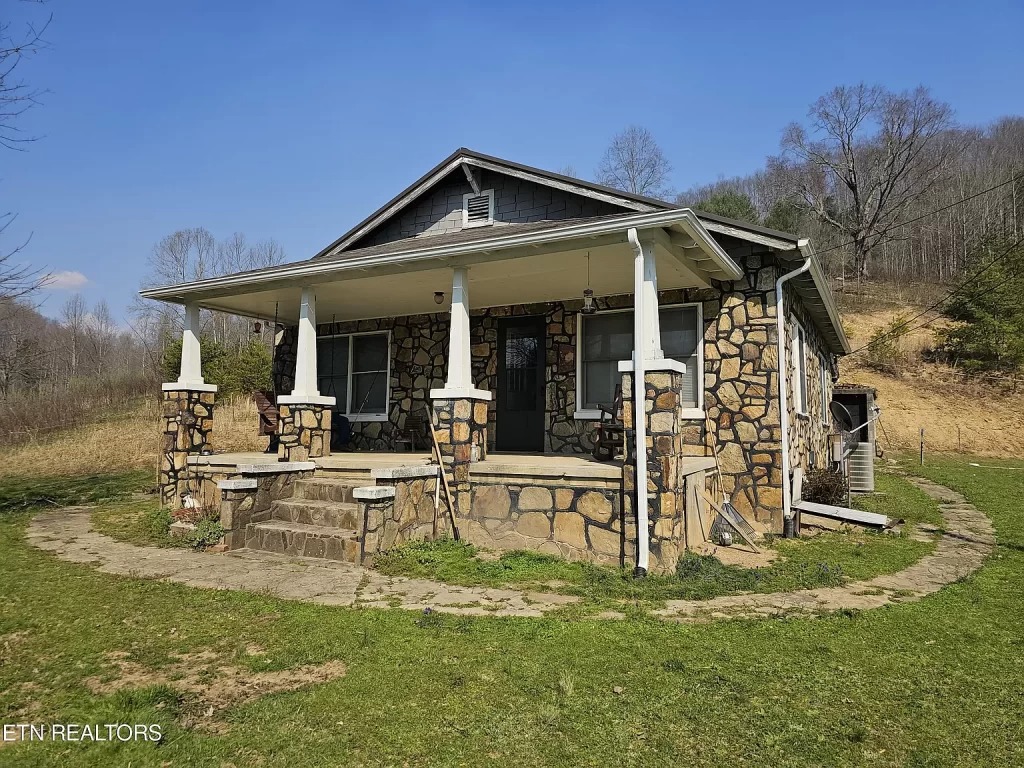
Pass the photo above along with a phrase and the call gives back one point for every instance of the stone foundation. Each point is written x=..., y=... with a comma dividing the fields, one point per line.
x=400, y=508
x=304, y=431
x=187, y=422
x=576, y=520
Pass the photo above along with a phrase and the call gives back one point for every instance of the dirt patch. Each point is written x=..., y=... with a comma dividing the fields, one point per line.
x=739, y=554
x=958, y=414
x=212, y=685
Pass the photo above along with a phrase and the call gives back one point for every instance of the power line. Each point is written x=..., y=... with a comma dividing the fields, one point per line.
x=948, y=206
x=902, y=327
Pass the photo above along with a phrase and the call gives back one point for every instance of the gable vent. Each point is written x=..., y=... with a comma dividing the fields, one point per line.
x=478, y=210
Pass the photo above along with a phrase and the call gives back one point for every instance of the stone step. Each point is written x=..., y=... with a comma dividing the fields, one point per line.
x=302, y=540
x=326, y=488
x=329, y=514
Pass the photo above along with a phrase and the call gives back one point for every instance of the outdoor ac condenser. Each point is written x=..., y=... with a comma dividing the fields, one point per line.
x=859, y=403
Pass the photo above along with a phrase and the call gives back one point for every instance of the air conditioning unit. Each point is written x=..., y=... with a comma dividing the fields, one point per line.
x=854, y=415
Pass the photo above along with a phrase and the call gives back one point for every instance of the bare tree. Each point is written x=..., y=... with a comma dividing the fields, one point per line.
x=635, y=163
x=16, y=96
x=867, y=156
x=73, y=316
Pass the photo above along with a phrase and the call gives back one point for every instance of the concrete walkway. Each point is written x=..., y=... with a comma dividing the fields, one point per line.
x=963, y=545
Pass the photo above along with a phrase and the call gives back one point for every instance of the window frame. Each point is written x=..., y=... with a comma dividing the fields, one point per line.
x=593, y=414
x=466, y=223
x=798, y=349
x=823, y=379
x=347, y=413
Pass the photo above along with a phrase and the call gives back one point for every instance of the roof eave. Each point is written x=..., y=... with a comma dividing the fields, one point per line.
x=823, y=289
x=312, y=269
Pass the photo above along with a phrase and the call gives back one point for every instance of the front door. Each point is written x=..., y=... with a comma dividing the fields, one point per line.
x=519, y=420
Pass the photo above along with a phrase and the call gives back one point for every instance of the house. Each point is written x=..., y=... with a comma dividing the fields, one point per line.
x=507, y=304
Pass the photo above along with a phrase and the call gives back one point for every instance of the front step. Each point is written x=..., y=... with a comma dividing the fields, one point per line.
x=326, y=488
x=306, y=511
x=301, y=540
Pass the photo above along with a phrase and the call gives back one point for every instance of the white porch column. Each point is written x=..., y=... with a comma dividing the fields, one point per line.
x=652, y=321
x=459, y=383
x=648, y=343
x=307, y=387
x=191, y=371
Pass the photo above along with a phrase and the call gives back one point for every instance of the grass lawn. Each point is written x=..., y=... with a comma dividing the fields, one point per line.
x=932, y=683
x=825, y=560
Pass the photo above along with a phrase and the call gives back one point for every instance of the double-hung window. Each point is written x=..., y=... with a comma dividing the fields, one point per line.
x=825, y=376
x=607, y=337
x=354, y=369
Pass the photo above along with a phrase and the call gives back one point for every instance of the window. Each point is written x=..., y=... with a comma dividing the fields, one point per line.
x=799, y=353
x=478, y=210
x=607, y=337
x=826, y=375
x=354, y=369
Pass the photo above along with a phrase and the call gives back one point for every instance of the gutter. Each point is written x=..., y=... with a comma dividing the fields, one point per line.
x=780, y=325
x=639, y=408
x=821, y=283
x=324, y=269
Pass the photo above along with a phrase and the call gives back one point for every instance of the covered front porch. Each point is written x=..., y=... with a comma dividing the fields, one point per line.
x=478, y=336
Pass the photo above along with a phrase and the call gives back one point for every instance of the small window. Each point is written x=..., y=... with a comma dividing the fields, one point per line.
x=799, y=369
x=478, y=210
x=354, y=369
x=826, y=376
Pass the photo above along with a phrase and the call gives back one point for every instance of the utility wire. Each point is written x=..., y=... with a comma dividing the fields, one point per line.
x=941, y=209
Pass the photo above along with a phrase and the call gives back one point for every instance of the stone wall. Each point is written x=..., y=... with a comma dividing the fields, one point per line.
x=809, y=432
x=462, y=439
x=400, y=508
x=578, y=520
x=186, y=423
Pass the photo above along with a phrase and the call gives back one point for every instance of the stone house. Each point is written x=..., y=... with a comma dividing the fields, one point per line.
x=507, y=304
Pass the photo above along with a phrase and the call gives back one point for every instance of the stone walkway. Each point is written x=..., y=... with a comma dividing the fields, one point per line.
x=964, y=543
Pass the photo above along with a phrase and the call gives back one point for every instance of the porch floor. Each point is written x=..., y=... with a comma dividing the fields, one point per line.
x=510, y=464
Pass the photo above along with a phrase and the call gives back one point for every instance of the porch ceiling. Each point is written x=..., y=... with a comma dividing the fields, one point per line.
x=504, y=268
x=525, y=280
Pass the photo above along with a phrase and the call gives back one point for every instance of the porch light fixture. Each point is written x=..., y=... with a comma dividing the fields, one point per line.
x=588, y=294
x=439, y=297
x=257, y=327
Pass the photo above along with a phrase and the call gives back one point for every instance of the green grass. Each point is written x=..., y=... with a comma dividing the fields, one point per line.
x=930, y=683
x=826, y=560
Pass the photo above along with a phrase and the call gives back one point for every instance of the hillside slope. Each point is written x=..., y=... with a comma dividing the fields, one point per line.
x=985, y=418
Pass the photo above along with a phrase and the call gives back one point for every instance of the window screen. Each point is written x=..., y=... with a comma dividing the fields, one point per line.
x=608, y=338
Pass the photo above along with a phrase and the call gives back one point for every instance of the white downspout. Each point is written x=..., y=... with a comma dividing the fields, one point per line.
x=639, y=406
x=780, y=321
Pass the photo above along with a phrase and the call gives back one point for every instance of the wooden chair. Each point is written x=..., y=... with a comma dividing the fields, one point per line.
x=268, y=416
x=414, y=433
x=608, y=435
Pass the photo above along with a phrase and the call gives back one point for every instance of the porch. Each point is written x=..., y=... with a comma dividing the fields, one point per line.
x=503, y=364
x=352, y=506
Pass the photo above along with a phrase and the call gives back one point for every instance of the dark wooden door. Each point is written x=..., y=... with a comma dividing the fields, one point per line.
x=519, y=420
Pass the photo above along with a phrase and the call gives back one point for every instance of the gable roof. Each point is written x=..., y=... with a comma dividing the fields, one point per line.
x=471, y=159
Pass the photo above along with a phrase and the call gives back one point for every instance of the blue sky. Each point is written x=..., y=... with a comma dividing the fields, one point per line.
x=295, y=120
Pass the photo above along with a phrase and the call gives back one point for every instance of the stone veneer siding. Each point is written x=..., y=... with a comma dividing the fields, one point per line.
x=186, y=423
x=741, y=377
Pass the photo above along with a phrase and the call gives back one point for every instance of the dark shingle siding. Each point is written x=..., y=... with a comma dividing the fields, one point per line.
x=516, y=201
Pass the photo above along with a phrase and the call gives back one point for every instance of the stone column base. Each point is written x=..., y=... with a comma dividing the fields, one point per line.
x=303, y=430
x=666, y=488
x=461, y=426
x=186, y=423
